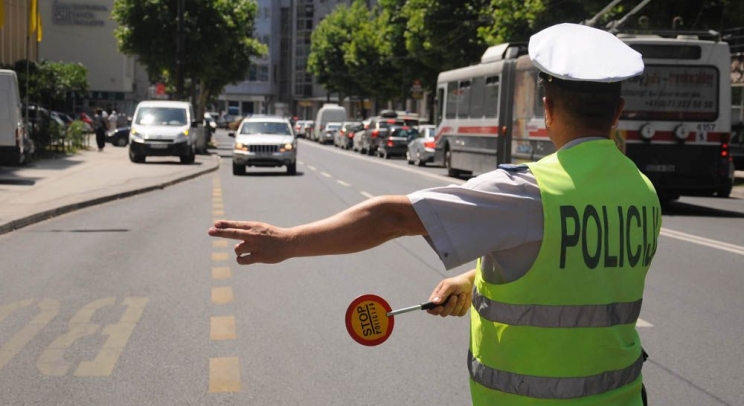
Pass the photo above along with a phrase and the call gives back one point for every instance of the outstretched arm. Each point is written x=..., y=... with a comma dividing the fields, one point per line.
x=358, y=228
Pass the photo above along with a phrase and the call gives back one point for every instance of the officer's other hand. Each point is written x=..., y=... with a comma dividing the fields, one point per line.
x=457, y=291
x=259, y=242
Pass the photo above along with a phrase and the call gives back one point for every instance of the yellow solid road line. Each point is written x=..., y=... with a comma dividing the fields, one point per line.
x=222, y=295
x=222, y=328
x=224, y=375
x=221, y=273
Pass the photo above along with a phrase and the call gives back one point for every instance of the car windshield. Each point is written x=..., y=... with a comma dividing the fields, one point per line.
x=265, y=127
x=161, y=116
x=333, y=126
x=406, y=133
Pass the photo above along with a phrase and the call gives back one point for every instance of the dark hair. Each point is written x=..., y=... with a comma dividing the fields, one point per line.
x=586, y=104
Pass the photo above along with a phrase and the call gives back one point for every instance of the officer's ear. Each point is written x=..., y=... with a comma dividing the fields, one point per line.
x=618, y=112
x=549, y=110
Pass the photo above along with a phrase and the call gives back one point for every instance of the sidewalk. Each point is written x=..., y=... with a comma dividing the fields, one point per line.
x=55, y=186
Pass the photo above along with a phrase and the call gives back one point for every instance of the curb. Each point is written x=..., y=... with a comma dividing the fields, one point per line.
x=48, y=214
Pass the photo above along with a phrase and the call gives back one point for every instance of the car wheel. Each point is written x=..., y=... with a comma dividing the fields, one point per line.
x=135, y=157
x=419, y=162
x=122, y=142
x=190, y=157
x=408, y=158
x=292, y=168
x=238, y=169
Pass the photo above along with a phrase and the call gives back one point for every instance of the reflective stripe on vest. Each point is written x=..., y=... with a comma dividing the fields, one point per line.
x=552, y=388
x=557, y=316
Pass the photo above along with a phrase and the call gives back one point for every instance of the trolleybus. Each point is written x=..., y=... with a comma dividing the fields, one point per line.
x=676, y=124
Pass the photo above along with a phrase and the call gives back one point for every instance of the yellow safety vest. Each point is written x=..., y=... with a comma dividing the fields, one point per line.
x=564, y=333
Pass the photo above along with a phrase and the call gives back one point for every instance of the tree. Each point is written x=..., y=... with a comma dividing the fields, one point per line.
x=442, y=34
x=328, y=44
x=218, y=39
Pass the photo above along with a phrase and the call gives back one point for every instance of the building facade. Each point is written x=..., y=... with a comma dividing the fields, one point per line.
x=83, y=31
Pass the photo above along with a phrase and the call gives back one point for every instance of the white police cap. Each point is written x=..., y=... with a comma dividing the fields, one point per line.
x=579, y=53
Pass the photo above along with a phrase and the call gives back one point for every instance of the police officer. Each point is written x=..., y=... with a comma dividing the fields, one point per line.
x=563, y=244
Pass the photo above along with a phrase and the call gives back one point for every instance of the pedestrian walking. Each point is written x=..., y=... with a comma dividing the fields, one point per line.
x=113, y=119
x=100, y=124
x=562, y=245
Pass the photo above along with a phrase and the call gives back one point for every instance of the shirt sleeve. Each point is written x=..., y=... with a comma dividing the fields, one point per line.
x=496, y=211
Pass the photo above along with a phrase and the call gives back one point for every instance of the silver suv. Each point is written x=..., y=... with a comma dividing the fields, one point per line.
x=264, y=142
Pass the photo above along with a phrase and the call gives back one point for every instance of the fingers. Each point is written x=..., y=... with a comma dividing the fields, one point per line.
x=235, y=230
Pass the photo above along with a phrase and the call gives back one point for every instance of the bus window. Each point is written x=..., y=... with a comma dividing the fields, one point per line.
x=452, y=91
x=463, y=100
x=492, y=96
x=525, y=91
x=477, y=90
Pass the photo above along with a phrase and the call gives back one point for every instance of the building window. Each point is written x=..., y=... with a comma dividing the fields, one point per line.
x=258, y=73
x=737, y=104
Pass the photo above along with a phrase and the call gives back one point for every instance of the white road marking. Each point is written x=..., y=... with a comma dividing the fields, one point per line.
x=643, y=323
x=446, y=179
x=707, y=242
x=301, y=162
x=367, y=195
x=342, y=183
x=312, y=168
x=326, y=174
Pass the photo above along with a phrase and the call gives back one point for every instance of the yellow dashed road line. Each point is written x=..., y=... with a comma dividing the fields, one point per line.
x=220, y=256
x=221, y=273
x=224, y=375
x=222, y=328
x=222, y=295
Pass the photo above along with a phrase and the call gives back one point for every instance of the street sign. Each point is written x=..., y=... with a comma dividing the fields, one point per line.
x=367, y=321
x=370, y=321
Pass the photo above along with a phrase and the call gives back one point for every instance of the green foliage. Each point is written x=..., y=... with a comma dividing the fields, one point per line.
x=76, y=135
x=326, y=60
x=50, y=83
x=218, y=39
x=380, y=52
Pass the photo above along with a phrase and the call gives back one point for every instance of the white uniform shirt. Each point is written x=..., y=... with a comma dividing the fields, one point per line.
x=497, y=216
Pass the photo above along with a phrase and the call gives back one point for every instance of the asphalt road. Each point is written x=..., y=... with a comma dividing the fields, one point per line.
x=131, y=303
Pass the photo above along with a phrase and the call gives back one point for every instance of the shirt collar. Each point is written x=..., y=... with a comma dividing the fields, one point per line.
x=582, y=140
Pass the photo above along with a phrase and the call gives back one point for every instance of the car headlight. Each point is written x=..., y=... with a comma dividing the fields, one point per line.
x=286, y=147
x=135, y=134
x=241, y=147
x=185, y=133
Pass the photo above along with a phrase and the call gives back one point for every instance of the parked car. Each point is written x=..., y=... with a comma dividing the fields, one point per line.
x=118, y=137
x=356, y=144
x=378, y=130
x=299, y=128
x=328, y=133
x=329, y=113
x=163, y=128
x=395, y=143
x=421, y=149
x=344, y=137
x=264, y=142
x=16, y=146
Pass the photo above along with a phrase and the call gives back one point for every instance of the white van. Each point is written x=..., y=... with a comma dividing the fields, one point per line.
x=15, y=146
x=328, y=113
x=163, y=128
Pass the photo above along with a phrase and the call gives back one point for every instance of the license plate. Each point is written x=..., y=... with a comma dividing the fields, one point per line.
x=659, y=168
x=158, y=146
